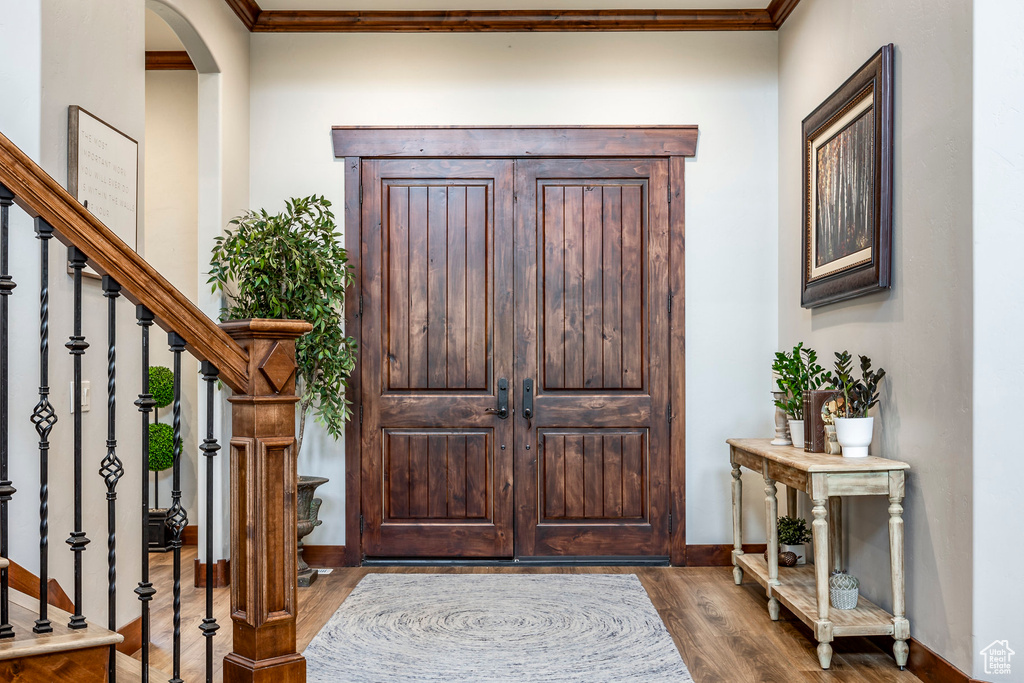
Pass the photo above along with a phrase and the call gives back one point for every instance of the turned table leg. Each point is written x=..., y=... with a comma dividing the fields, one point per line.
x=823, y=627
x=901, y=627
x=771, y=503
x=737, y=523
x=835, y=529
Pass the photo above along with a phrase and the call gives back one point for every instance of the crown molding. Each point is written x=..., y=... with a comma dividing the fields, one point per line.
x=259, y=20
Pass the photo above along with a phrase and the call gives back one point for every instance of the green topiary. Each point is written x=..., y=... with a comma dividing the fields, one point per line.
x=793, y=531
x=161, y=385
x=161, y=447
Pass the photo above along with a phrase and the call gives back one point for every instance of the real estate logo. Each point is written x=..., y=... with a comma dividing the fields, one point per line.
x=997, y=657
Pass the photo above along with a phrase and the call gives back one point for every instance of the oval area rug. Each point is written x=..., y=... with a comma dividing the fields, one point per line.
x=429, y=628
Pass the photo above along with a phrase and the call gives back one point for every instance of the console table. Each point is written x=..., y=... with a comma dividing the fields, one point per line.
x=804, y=589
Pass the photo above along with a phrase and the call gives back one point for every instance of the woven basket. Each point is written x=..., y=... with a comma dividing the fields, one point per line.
x=843, y=590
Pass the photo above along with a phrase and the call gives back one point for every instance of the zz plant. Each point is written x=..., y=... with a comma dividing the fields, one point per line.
x=859, y=395
x=292, y=265
x=798, y=371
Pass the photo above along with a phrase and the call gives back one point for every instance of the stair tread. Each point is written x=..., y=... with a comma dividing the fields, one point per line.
x=25, y=643
x=130, y=669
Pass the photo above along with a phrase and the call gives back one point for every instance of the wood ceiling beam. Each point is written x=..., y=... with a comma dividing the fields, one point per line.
x=168, y=60
x=474, y=21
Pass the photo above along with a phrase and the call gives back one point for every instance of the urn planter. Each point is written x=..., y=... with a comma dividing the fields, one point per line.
x=854, y=435
x=309, y=508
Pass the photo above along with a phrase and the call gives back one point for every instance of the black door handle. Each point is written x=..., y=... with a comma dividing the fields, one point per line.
x=528, y=399
x=502, y=409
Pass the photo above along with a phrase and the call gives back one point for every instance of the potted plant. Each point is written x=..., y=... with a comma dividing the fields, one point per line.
x=797, y=372
x=161, y=454
x=793, y=537
x=292, y=265
x=853, y=426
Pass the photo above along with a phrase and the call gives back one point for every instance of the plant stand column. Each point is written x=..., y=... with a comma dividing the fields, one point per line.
x=771, y=504
x=823, y=631
x=737, y=520
x=901, y=627
x=263, y=507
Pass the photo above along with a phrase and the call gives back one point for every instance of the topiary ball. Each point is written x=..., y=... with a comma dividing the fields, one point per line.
x=161, y=447
x=161, y=385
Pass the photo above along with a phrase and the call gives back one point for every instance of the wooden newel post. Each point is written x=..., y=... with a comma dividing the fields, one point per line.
x=263, y=507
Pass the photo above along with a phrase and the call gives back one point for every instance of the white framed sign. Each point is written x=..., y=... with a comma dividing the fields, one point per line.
x=103, y=173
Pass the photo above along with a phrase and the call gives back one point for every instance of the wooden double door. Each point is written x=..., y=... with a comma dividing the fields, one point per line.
x=515, y=358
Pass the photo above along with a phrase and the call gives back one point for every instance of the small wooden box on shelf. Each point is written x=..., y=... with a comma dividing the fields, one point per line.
x=804, y=589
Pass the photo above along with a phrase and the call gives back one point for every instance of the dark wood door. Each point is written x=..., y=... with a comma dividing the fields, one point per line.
x=591, y=266
x=436, y=257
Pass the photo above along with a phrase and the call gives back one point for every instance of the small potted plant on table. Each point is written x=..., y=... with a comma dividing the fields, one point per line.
x=797, y=372
x=853, y=426
x=793, y=537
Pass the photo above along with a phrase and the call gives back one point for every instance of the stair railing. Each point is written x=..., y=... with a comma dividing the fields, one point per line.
x=255, y=358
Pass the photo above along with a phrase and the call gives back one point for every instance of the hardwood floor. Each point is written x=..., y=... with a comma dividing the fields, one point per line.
x=722, y=630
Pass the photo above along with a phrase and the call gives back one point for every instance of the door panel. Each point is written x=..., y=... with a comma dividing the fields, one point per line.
x=591, y=250
x=437, y=466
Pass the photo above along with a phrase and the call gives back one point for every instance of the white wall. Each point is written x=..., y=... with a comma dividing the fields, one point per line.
x=920, y=332
x=998, y=326
x=171, y=227
x=723, y=82
x=218, y=45
x=87, y=54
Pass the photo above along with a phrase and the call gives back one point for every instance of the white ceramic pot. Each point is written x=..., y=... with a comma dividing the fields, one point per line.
x=796, y=432
x=854, y=434
x=799, y=550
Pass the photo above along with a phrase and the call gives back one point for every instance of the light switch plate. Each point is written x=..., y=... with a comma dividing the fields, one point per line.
x=86, y=396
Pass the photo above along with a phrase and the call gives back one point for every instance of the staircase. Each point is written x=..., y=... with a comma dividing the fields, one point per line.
x=67, y=655
x=254, y=358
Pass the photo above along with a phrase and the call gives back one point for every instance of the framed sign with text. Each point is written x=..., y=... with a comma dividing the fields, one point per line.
x=103, y=174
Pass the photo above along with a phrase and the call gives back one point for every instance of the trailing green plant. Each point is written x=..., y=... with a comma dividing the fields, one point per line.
x=859, y=395
x=161, y=447
x=798, y=371
x=292, y=265
x=793, y=531
x=161, y=385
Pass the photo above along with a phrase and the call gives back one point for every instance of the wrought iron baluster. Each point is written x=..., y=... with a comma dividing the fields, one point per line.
x=111, y=468
x=176, y=517
x=44, y=417
x=76, y=346
x=7, y=491
x=210, y=447
x=145, y=403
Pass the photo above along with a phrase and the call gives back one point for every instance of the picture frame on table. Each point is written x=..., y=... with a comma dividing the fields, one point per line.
x=847, y=187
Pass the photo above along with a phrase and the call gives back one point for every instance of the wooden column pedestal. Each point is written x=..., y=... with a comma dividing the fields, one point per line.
x=263, y=507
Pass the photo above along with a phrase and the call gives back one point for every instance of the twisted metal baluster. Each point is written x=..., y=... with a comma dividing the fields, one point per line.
x=210, y=447
x=7, y=491
x=111, y=468
x=176, y=517
x=145, y=403
x=44, y=417
x=76, y=346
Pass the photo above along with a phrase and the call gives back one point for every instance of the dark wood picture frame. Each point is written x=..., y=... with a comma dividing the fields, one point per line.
x=857, y=119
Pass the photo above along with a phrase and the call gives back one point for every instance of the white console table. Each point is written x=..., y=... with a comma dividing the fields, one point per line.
x=804, y=589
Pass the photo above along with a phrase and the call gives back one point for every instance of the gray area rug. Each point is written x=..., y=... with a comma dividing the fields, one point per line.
x=598, y=628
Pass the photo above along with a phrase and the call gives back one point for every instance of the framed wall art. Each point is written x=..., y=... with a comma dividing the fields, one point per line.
x=848, y=165
x=103, y=174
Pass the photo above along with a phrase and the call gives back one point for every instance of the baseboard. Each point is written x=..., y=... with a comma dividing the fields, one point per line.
x=324, y=555
x=221, y=573
x=717, y=555
x=925, y=663
x=190, y=535
x=132, y=632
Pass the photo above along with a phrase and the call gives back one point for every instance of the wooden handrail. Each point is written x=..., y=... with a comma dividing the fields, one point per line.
x=40, y=195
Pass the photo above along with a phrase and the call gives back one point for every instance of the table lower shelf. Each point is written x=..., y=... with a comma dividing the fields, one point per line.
x=797, y=593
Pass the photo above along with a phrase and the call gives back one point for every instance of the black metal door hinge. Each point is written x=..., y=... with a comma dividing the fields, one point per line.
x=668, y=412
x=670, y=302
x=360, y=194
x=362, y=524
x=670, y=195
x=670, y=522
x=360, y=414
x=360, y=305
